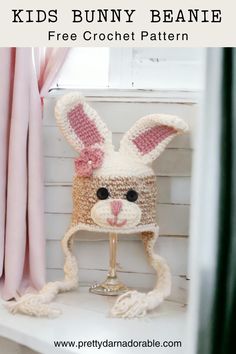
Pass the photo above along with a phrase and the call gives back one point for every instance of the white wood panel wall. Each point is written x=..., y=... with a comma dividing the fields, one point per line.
x=168, y=68
x=173, y=171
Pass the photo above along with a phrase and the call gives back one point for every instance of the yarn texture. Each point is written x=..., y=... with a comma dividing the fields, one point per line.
x=113, y=191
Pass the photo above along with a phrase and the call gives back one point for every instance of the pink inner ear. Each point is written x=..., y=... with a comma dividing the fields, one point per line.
x=84, y=127
x=148, y=140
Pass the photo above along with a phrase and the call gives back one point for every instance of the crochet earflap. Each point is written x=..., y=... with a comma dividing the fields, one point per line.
x=113, y=191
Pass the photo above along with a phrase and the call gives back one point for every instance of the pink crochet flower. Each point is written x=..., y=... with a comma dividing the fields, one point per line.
x=90, y=158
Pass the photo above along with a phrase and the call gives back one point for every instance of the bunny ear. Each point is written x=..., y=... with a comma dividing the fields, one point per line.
x=80, y=124
x=149, y=136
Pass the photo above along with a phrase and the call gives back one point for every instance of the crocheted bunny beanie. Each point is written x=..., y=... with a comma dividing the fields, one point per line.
x=113, y=191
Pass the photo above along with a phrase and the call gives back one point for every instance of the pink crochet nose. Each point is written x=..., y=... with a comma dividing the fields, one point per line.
x=116, y=206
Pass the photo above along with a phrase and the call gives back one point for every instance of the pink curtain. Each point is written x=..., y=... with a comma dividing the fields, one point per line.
x=25, y=77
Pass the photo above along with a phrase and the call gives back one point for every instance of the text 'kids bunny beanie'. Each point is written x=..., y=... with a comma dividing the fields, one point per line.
x=113, y=191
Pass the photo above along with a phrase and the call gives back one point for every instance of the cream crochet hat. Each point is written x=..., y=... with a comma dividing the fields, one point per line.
x=113, y=191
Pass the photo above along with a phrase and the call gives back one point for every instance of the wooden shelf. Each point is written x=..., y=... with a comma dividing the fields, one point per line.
x=86, y=317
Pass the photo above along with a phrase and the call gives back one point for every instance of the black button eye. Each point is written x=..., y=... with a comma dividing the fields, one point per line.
x=102, y=193
x=132, y=195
